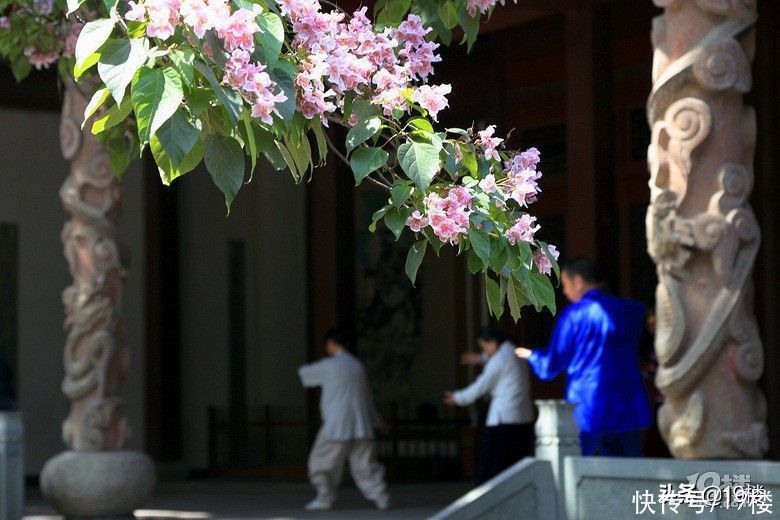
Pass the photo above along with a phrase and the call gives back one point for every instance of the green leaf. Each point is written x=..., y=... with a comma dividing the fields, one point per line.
x=250, y=140
x=414, y=258
x=420, y=161
x=448, y=14
x=225, y=162
x=421, y=123
x=92, y=37
x=230, y=100
x=367, y=125
x=400, y=193
x=494, y=297
x=113, y=116
x=156, y=96
x=540, y=291
x=111, y=6
x=177, y=136
x=470, y=25
x=395, y=220
x=119, y=61
x=183, y=60
x=98, y=98
x=322, y=142
x=475, y=264
x=364, y=161
x=391, y=12
x=480, y=241
x=516, y=298
x=377, y=216
x=169, y=172
x=21, y=67
x=271, y=38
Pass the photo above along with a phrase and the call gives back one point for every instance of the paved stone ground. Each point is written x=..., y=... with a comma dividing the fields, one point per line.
x=275, y=501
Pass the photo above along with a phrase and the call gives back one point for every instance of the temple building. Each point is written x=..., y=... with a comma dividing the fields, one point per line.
x=220, y=311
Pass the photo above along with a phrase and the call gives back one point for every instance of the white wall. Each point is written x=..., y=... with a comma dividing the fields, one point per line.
x=31, y=173
x=269, y=215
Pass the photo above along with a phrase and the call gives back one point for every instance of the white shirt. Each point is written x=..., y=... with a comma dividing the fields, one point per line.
x=345, y=405
x=507, y=379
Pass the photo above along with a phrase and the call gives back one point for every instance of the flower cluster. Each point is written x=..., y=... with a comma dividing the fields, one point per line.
x=448, y=216
x=236, y=28
x=542, y=261
x=351, y=56
x=255, y=85
x=482, y=6
x=44, y=36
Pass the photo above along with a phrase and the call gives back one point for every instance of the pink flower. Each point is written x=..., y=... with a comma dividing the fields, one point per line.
x=420, y=59
x=5, y=23
x=523, y=230
x=416, y=221
x=411, y=31
x=488, y=184
x=479, y=5
x=137, y=12
x=40, y=59
x=542, y=261
x=238, y=31
x=163, y=18
x=527, y=160
x=431, y=98
x=489, y=143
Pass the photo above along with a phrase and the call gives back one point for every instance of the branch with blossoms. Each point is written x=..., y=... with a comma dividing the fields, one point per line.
x=228, y=83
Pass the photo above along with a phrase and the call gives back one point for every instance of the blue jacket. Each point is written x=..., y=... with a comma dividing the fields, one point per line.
x=596, y=341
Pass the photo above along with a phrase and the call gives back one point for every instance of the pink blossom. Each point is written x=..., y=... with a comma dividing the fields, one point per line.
x=163, y=18
x=137, y=12
x=5, y=23
x=488, y=184
x=523, y=230
x=482, y=6
x=41, y=59
x=238, y=31
x=542, y=261
x=489, y=143
x=411, y=31
x=432, y=98
x=526, y=160
x=416, y=221
x=420, y=58
x=449, y=216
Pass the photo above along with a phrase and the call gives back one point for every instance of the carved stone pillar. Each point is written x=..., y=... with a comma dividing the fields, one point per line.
x=94, y=478
x=701, y=231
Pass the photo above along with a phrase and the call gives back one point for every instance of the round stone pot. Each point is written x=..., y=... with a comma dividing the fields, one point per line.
x=98, y=484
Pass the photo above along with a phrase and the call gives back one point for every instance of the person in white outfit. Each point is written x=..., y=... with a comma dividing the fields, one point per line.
x=509, y=433
x=348, y=421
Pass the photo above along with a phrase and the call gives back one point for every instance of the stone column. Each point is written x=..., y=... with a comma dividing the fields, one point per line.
x=701, y=231
x=557, y=434
x=94, y=478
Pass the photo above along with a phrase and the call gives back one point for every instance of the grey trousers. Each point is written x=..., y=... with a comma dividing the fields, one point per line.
x=326, y=467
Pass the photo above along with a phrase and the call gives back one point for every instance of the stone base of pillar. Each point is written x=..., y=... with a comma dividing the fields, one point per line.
x=98, y=484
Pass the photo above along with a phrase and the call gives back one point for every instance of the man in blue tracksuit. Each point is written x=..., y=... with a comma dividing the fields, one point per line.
x=596, y=341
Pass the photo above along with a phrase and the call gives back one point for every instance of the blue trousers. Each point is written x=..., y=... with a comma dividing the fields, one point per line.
x=611, y=444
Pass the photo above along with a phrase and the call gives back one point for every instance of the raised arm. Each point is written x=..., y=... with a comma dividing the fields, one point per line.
x=481, y=386
x=314, y=374
x=549, y=363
